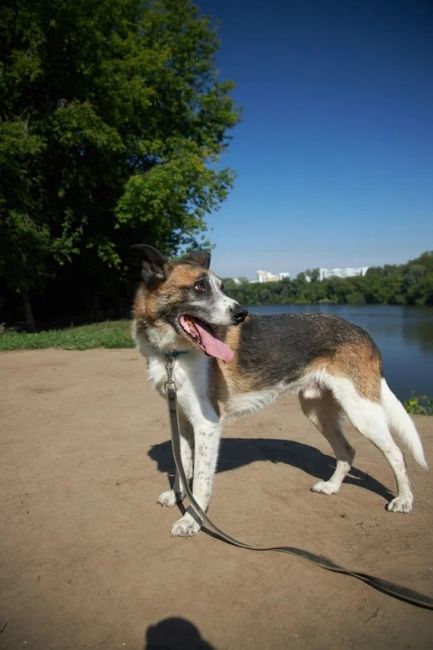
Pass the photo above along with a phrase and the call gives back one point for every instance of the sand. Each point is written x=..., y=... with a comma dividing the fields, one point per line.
x=86, y=556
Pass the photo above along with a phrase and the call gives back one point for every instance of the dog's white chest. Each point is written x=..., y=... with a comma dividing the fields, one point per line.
x=190, y=373
x=156, y=371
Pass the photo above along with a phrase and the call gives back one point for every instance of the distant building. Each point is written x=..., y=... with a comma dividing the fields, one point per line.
x=345, y=272
x=266, y=276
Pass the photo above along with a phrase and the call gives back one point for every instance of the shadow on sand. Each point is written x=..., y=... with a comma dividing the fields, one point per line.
x=175, y=633
x=237, y=452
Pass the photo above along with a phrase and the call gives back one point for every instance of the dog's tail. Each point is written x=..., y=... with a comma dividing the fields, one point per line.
x=401, y=424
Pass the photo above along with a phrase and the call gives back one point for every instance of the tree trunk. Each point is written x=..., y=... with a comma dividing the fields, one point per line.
x=94, y=309
x=28, y=312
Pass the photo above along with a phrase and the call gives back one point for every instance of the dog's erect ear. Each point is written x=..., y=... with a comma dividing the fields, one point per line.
x=154, y=265
x=202, y=258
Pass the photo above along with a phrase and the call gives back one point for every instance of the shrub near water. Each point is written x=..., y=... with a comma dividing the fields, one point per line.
x=419, y=405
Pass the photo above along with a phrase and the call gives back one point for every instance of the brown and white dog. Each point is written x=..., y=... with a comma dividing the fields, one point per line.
x=229, y=362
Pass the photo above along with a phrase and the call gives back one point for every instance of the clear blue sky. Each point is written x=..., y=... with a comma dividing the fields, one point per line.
x=334, y=155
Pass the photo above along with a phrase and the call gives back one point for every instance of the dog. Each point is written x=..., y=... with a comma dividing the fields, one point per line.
x=228, y=362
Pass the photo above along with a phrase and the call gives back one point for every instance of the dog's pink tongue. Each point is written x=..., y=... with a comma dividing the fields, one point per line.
x=213, y=346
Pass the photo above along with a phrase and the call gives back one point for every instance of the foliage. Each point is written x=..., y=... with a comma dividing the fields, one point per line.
x=112, y=119
x=406, y=284
x=419, y=405
x=99, y=335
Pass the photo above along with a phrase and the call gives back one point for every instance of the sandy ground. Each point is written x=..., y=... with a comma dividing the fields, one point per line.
x=87, y=560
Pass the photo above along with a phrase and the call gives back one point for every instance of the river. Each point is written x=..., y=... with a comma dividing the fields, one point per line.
x=404, y=336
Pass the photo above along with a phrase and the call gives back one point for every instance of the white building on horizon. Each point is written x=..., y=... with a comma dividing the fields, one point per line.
x=266, y=276
x=342, y=272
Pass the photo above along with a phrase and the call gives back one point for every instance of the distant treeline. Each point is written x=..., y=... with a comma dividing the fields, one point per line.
x=402, y=284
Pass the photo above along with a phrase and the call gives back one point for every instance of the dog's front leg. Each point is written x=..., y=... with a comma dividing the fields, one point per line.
x=169, y=498
x=207, y=431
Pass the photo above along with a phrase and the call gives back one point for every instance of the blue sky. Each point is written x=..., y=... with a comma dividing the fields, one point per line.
x=334, y=155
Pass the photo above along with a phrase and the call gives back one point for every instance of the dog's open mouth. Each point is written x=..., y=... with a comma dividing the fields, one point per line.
x=205, y=338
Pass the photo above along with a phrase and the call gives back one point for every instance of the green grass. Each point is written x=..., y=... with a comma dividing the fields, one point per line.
x=109, y=334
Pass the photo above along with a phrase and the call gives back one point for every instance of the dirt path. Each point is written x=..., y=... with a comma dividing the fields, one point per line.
x=86, y=556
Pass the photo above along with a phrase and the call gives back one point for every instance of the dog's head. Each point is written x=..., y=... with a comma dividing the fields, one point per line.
x=188, y=298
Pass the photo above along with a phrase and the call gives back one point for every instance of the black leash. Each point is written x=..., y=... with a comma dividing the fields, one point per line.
x=396, y=591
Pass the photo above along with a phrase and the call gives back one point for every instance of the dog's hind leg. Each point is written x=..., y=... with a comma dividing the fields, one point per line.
x=324, y=412
x=169, y=498
x=370, y=419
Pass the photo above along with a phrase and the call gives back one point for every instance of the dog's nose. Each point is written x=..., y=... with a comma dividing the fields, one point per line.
x=239, y=314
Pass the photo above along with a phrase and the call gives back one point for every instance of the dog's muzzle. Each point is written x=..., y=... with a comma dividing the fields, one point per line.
x=239, y=314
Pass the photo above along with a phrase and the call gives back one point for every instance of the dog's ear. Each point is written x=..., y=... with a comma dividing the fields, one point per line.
x=202, y=258
x=153, y=265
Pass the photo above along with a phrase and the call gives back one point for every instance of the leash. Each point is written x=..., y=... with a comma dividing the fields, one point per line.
x=396, y=591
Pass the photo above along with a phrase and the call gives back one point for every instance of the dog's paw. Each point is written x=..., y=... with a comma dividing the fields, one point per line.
x=325, y=487
x=186, y=526
x=400, y=504
x=168, y=498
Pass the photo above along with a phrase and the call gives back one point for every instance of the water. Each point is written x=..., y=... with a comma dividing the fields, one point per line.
x=403, y=334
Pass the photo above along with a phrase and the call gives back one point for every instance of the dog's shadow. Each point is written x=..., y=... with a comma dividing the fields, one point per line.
x=236, y=452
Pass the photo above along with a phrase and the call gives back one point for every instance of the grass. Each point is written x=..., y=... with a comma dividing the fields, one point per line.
x=109, y=334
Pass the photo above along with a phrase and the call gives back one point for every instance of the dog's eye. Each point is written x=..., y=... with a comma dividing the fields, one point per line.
x=200, y=286
x=222, y=288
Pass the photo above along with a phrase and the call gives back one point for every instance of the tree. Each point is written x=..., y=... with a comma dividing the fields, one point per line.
x=410, y=283
x=111, y=123
x=313, y=275
x=229, y=285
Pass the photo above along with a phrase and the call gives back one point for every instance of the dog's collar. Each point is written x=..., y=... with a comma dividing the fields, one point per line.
x=177, y=353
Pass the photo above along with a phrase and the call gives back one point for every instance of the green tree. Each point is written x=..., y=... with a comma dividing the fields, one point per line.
x=229, y=285
x=410, y=283
x=112, y=119
x=313, y=274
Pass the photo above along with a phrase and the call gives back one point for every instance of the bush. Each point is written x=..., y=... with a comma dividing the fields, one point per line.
x=419, y=405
